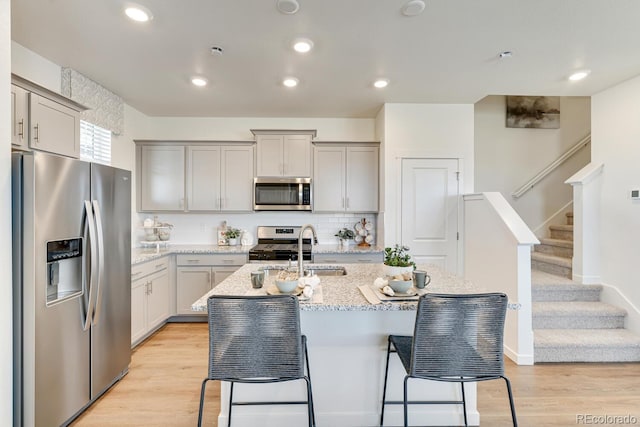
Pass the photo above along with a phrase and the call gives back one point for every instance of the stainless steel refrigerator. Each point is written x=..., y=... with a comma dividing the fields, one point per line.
x=72, y=284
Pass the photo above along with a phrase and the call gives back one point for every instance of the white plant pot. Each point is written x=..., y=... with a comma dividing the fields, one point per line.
x=393, y=271
x=233, y=242
x=345, y=242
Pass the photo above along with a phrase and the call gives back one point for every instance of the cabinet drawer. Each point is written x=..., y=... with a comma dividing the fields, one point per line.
x=211, y=259
x=139, y=271
x=347, y=258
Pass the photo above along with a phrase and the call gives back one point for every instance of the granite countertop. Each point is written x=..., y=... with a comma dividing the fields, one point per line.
x=140, y=255
x=341, y=293
x=350, y=249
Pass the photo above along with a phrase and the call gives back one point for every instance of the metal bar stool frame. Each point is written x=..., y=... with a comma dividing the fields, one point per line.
x=256, y=340
x=457, y=338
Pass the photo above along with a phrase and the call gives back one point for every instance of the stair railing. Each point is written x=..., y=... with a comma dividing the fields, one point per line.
x=551, y=167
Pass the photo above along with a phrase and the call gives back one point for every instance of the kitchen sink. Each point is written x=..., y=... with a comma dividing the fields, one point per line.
x=319, y=270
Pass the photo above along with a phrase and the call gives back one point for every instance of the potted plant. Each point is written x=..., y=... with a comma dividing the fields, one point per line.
x=345, y=235
x=232, y=234
x=397, y=260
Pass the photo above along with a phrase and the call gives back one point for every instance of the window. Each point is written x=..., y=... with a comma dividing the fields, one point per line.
x=95, y=143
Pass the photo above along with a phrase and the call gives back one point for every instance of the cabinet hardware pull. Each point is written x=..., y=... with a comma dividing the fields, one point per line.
x=151, y=286
x=347, y=202
x=36, y=137
x=193, y=260
x=21, y=131
x=136, y=273
x=227, y=261
x=209, y=277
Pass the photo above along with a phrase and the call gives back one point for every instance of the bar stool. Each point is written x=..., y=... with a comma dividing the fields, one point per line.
x=256, y=339
x=457, y=338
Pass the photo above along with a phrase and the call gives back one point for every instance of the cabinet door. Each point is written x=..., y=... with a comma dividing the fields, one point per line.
x=269, y=155
x=53, y=127
x=19, y=117
x=221, y=273
x=192, y=283
x=158, y=300
x=162, y=178
x=203, y=178
x=297, y=155
x=237, y=178
x=138, y=309
x=328, y=179
x=362, y=179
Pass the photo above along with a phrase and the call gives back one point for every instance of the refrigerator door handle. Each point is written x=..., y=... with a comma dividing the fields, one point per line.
x=100, y=234
x=89, y=301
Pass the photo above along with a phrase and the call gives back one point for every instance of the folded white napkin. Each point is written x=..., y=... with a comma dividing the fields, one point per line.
x=311, y=281
x=380, y=283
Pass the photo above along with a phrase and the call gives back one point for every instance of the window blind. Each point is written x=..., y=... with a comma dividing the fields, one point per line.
x=95, y=143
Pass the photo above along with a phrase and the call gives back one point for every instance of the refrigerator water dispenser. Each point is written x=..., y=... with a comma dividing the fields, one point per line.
x=64, y=269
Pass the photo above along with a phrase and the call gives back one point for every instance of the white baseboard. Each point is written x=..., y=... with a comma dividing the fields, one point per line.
x=612, y=295
x=519, y=359
x=586, y=280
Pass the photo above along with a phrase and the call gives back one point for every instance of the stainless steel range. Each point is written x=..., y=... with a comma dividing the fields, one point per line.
x=279, y=244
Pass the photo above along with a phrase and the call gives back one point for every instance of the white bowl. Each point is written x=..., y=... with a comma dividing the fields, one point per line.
x=286, y=286
x=401, y=286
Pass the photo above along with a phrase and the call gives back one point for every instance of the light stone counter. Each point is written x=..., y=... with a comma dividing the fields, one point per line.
x=347, y=341
x=341, y=293
x=350, y=249
x=140, y=255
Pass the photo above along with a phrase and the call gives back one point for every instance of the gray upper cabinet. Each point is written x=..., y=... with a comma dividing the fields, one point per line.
x=283, y=153
x=19, y=117
x=203, y=177
x=161, y=178
x=219, y=178
x=44, y=120
x=345, y=178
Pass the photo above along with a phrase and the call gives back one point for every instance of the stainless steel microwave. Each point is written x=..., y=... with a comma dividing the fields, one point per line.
x=282, y=194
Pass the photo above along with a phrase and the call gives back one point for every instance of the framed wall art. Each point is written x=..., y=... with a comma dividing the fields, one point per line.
x=538, y=112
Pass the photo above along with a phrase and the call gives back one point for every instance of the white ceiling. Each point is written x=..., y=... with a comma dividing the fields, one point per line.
x=448, y=54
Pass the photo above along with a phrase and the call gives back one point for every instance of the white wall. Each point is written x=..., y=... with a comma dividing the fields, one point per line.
x=422, y=130
x=36, y=68
x=615, y=140
x=506, y=158
x=6, y=310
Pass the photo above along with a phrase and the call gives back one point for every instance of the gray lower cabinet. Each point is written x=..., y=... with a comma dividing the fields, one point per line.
x=149, y=298
x=348, y=258
x=197, y=274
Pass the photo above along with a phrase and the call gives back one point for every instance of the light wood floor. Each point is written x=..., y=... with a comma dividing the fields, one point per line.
x=163, y=388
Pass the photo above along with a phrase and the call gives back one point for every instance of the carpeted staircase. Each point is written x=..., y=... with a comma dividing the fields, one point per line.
x=570, y=324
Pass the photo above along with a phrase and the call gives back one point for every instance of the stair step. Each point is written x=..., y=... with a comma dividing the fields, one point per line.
x=549, y=287
x=563, y=232
x=577, y=315
x=569, y=216
x=557, y=247
x=559, y=266
x=586, y=345
x=542, y=293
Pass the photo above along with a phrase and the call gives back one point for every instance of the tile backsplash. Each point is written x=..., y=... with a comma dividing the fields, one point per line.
x=201, y=229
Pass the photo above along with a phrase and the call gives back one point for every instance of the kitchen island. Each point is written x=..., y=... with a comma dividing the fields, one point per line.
x=347, y=339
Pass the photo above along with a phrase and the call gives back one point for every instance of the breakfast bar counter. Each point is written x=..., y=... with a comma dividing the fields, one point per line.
x=347, y=340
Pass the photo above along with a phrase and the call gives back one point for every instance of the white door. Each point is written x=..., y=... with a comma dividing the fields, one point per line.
x=429, y=218
x=329, y=179
x=297, y=155
x=362, y=179
x=269, y=155
x=237, y=178
x=203, y=178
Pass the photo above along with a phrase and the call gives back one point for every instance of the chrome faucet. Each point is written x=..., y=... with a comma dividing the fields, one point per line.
x=315, y=242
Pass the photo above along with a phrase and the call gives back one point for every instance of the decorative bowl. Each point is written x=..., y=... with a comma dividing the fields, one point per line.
x=286, y=286
x=401, y=286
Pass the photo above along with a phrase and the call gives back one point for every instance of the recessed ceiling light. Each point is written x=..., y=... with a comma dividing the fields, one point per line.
x=579, y=75
x=381, y=83
x=138, y=13
x=288, y=7
x=413, y=8
x=302, y=45
x=199, y=81
x=290, y=82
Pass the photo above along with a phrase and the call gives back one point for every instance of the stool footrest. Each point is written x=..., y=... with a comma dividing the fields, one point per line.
x=424, y=402
x=283, y=402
